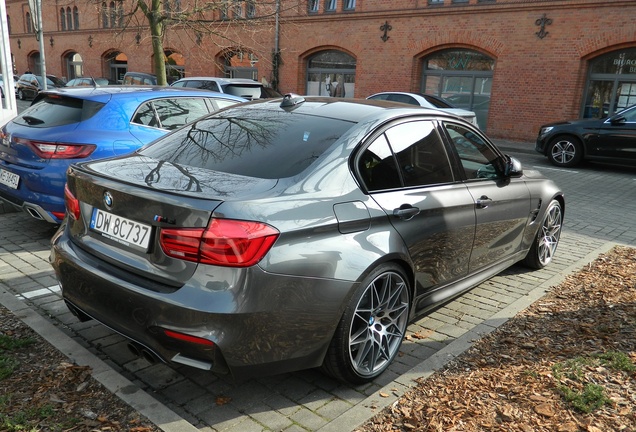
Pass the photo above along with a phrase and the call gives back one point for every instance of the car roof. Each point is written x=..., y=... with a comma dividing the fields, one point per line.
x=354, y=110
x=222, y=80
x=105, y=93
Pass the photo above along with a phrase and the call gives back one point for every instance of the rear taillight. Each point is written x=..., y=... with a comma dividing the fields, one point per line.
x=56, y=150
x=72, y=203
x=225, y=242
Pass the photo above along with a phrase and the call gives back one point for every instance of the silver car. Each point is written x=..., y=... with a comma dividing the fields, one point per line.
x=294, y=233
x=427, y=101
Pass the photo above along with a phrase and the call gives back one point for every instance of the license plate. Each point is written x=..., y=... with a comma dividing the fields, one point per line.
x=7, y=178
x=122, y=230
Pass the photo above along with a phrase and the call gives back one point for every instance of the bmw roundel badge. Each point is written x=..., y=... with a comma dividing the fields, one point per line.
x=108, y=199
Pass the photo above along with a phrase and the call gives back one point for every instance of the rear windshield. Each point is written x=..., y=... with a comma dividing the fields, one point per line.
x=244, y=90
x=57, y=111
x=265, y=144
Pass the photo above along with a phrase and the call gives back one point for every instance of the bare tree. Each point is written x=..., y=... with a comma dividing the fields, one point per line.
x=227, y=23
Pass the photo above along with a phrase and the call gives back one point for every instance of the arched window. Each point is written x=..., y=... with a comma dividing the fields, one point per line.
x=331, y=73
x=463, y=77
x=116, y=65
x=69, y=19
x=113, y=15
x=76, y=18
x=29, y=23
x=240, y=64
x=611, y=84
x=251, y=9
x=74, y=65
x=63, y=19
x=104, y=15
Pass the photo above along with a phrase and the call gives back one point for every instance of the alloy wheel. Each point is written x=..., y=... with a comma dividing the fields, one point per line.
x=379, y=323
x=549, y=235
x=563, y=152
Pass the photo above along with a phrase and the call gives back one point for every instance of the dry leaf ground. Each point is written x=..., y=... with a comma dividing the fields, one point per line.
x=41, y=391
x=578, y=339
x=571, y=352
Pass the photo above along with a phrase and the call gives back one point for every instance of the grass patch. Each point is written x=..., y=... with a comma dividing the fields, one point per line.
x=22, y=420
x=7, y=362
x=576, y=388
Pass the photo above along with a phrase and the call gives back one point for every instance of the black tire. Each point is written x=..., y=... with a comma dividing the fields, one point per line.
x=547, y=239
x=21, y=95
x=565, y=151
x=372, y=327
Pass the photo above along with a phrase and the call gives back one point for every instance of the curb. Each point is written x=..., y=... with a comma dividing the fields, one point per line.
x=146, y=405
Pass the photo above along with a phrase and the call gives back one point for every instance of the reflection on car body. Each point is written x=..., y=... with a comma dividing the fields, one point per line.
x=297, y=233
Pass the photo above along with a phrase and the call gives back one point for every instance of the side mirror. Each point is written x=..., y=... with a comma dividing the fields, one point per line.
x=618, y=120
x=513, y=167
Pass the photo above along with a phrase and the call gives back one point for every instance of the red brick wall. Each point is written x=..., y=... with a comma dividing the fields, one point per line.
x=535, y=80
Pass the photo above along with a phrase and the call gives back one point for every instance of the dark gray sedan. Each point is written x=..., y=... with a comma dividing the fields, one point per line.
x=295, y=233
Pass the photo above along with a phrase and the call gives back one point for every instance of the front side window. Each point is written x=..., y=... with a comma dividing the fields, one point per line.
x=477, y=158
x=420, y=153
x=331, y=5
x=350, y=4
x=313, y=5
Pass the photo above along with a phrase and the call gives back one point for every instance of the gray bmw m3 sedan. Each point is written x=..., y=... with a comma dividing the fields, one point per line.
x=295, y=233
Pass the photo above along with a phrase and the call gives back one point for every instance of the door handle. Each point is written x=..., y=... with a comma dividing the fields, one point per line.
x=483, y=202
x=406, y=211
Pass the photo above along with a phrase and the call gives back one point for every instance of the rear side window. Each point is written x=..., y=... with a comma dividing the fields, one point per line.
x=170, y=113
x=57, y=111
x=250, y=142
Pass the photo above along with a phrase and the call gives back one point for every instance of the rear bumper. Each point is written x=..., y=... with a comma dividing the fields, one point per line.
x=39, y=192
x=259, y=323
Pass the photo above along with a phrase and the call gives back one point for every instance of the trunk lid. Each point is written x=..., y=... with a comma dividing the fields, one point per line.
x=125, y=202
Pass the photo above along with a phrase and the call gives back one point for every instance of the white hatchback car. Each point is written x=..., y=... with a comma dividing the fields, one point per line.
x=242, y=87
x=427, y=101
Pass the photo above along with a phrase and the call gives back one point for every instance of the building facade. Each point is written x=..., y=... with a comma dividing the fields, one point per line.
x=516, y=63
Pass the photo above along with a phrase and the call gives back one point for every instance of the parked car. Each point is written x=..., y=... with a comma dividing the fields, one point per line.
x=294, y=233
x=427, y=101
x=15, y=79
x=139, y=78
x=243, y=87
x=29, y=85
x=85, y=123
x=611, y=139
x=90, y=82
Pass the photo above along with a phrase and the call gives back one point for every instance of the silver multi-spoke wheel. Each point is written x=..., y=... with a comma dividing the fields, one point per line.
x=379, y=323
x=565, y=152
x=549, y=235
x=372, y=328
x=545, y=244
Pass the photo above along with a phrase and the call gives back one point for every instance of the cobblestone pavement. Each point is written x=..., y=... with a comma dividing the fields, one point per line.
x=599, y=213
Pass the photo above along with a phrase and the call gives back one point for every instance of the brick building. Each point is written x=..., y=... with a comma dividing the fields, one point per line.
x=516, y=63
